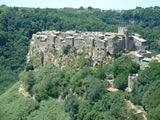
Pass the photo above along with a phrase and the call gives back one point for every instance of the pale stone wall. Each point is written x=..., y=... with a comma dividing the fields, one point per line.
x=99, y=45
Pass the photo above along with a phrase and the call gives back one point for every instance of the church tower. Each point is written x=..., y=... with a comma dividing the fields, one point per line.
x=124, y=31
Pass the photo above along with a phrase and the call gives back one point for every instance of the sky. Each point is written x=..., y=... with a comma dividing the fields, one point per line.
x=102, y=4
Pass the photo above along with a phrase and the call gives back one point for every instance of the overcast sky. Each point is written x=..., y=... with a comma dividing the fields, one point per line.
x=103, y=4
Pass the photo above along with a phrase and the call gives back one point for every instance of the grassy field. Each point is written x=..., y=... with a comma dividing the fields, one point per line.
x=14, y=106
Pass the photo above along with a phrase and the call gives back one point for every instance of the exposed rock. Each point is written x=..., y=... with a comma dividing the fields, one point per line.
x=22, y=90
x=62, y=48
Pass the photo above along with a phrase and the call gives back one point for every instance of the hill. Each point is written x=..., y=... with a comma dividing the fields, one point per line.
x=18, y=24
x=81, y=87
x=14, y=106
x=81, y=93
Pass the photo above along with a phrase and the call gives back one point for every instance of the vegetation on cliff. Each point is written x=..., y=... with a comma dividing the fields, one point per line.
x=82, y=92
x=18, y=24
x=146, y=90
x=84, y=89
x=14, y=106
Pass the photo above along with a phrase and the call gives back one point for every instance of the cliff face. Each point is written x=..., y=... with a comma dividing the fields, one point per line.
x=39, y=58
x=64, y=48
x=43, y=52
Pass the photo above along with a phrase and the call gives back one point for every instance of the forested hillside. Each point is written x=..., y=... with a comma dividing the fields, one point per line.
x=81, y=92
x=72, y=93
x=75, y=86
x=18, y=24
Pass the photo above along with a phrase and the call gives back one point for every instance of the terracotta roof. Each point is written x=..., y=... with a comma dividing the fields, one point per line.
x=112, y=36
x=61, y=38
x=132, y=52
x=111, y=89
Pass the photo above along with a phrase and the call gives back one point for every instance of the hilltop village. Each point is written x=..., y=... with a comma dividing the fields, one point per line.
x=99, y=45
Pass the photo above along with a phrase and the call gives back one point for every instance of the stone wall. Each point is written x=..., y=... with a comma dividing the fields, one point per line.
x=99, y=45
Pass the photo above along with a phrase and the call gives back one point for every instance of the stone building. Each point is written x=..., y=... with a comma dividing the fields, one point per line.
x=99, y=45
x=140, y=43
x=131, y=79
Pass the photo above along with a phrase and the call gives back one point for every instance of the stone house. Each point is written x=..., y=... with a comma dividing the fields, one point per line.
x=97, y=44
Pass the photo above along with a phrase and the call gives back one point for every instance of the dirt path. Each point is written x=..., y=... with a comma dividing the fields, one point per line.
x=138, y=109
x=23, y=91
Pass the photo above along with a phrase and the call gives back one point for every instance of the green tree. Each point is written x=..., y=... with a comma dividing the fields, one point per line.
x=95, y=89
x=145, y=79
x=121, y=81
x=66, y=49
x=121, y=69
x=72, y=106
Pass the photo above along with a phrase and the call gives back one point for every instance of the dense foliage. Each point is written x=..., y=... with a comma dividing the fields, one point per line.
x=146, y=91
x=123, y=66
x=14, y=106
x=83, y=89
x=54, y=82
x=18, y=24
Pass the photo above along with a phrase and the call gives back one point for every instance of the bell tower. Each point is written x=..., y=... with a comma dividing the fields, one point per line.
x=124, y=32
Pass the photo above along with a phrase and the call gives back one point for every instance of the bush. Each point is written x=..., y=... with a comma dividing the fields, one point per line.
x=72, y=106
x=66, y=49
x=121, y=81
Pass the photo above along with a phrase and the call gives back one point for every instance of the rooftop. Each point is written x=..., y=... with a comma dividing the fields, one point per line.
x=132, y=52
x=112, y=37
x=61, y=38
x=111, y=89
x=147, y=59
x=140, y=39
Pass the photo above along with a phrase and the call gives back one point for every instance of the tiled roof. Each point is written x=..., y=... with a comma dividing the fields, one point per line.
x=112, y=36
x=132, y=52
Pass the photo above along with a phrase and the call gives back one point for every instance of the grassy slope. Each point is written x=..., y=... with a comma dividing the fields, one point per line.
x=14, y=106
